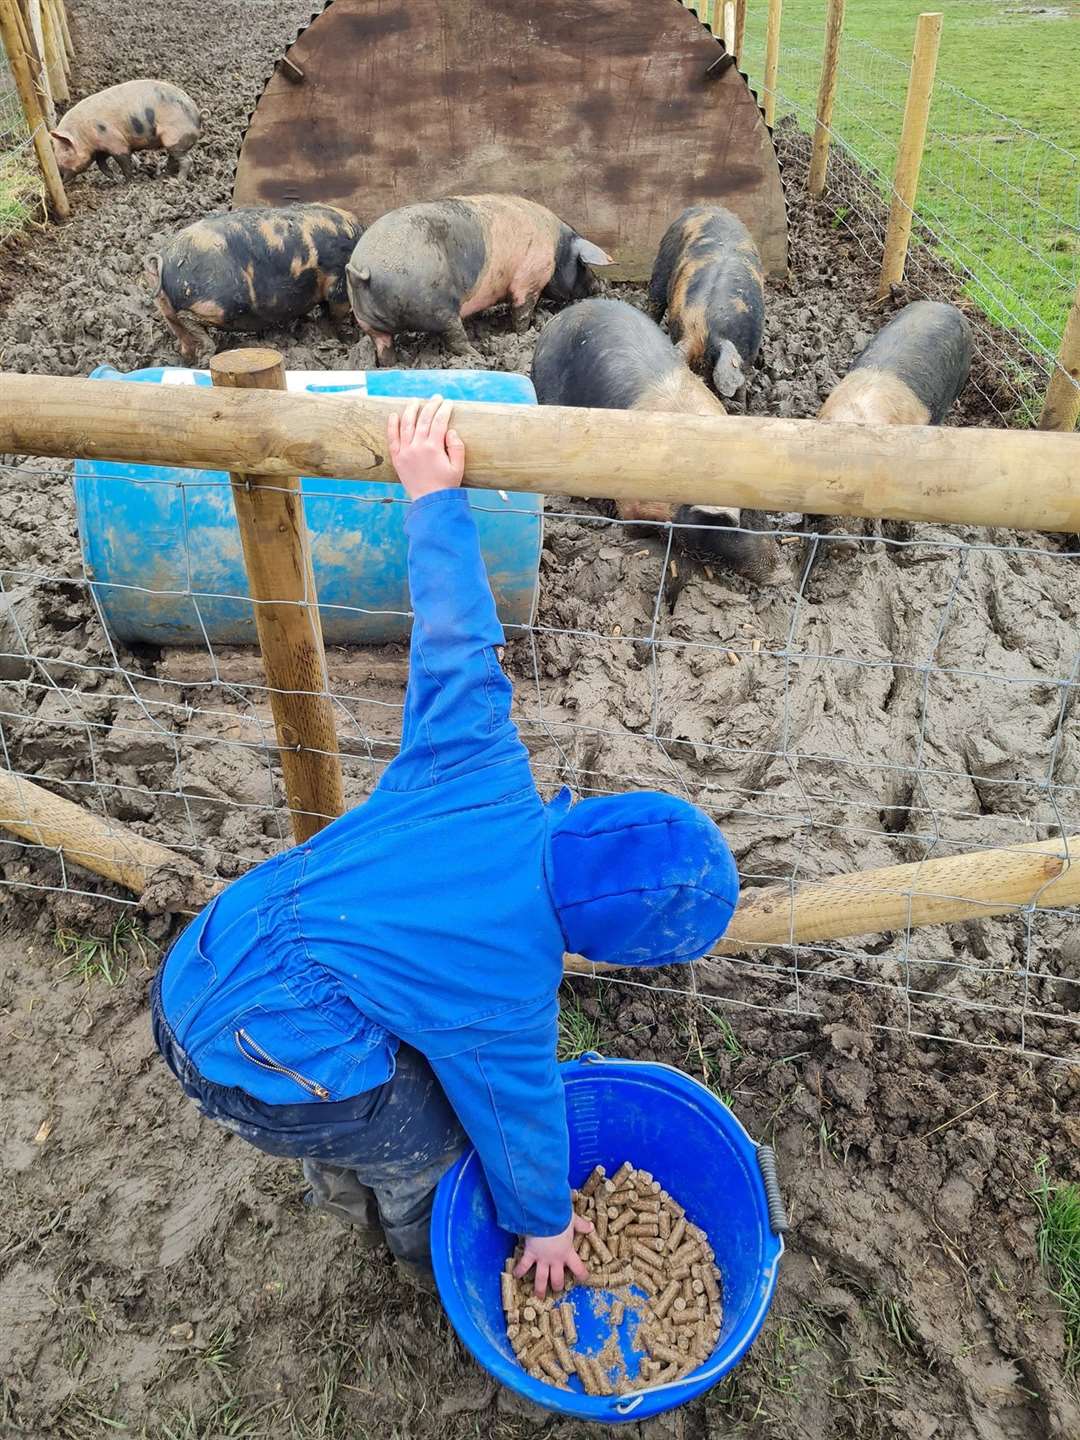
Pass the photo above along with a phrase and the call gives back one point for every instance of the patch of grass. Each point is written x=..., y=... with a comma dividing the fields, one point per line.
x=578, y=1032
x=1059, y=1252
x=105, y=957
x=231, y=1420
x=20, y=190
x=999, y=194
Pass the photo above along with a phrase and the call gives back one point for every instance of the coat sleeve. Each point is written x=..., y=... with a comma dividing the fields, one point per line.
x=509, y=1098
x=457, y=704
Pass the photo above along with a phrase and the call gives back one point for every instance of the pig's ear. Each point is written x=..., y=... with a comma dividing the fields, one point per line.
x=592, y=254
x=65, y=142
x=363, y=276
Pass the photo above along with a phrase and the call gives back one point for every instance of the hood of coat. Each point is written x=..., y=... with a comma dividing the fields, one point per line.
x=638, y=879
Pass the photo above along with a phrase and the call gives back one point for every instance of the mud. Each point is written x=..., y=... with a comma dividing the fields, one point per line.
x=155, y=1274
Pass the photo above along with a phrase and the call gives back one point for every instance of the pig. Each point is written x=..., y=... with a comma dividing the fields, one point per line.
x=137, y=115
x=249, y=269
x=605, y=354
x=910, y=373
x=425, y=267
x=708, y=278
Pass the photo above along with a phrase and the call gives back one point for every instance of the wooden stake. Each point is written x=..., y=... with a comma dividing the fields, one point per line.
x=819, y=155
x=1019, y=480
x=34, y=46
x=772, y=59
x=931, y=892
x=740, y=25
x=65, y=30
x=19, y=64
x=53, y=55
x=277, y=555
x=1062, y=404
x=56, y=8
x=104, y=846
x=729, y=27
x=910, y=153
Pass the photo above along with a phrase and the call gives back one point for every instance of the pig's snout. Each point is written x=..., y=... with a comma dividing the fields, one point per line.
x=728, y=374
x=717, y=540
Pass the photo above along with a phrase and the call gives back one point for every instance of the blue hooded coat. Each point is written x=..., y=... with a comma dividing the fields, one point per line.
x=437, y=912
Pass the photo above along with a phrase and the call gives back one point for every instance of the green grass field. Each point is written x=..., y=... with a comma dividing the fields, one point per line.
x=1001, y=194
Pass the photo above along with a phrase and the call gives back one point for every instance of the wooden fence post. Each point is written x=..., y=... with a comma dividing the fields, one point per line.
x=1061, y=408
x=819, y=155
x=910, y=153
x=30, y=39
x=740, y=25
x=65, y=30
x=61, y=41
x=277, y=556
x=728, y=35
x=19, y=62
x=772, y=60
x=54, y=46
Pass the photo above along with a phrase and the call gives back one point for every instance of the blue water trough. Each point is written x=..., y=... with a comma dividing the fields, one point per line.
x=162, y=546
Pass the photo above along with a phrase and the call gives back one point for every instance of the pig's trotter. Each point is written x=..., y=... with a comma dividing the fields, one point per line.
x=385, y=353
x=127, y=169
x=521, y=315
x=101, y=160
x=457, y=340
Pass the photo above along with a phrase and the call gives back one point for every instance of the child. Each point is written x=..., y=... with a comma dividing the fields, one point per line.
x=367, y=1000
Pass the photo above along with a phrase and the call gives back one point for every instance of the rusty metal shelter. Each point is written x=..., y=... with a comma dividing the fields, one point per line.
x=616, y=114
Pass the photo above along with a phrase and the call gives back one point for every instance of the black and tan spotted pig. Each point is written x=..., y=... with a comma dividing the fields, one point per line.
x=250, y=269
x=708, y=278
x=115, y=123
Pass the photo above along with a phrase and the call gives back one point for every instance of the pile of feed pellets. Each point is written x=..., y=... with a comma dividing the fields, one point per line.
x=646, y=1261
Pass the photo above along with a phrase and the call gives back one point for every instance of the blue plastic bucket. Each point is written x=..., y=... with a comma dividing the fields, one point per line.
x=162, y=547
x=663, y=1121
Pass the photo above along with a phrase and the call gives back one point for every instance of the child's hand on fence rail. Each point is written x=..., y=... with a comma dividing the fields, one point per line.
x=425, y=452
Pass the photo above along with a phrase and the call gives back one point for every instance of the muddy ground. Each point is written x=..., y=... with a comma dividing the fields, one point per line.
x=157, y=1278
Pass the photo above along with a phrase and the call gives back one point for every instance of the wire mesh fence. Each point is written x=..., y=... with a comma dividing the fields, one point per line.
x=997, y=219
x=911, y=696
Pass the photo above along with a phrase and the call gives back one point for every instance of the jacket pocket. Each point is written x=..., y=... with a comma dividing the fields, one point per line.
x=255, y=1053
x=188, y=974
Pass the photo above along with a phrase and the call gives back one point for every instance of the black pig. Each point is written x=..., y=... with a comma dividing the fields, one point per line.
x=604, y=354
x=910, y=373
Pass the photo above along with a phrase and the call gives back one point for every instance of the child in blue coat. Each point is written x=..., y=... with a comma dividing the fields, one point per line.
x=372, y=999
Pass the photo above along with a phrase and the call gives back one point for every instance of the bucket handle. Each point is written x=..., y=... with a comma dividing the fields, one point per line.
x=778, y=1218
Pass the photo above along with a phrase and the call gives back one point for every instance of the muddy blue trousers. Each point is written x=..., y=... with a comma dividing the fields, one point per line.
x=371, y=1160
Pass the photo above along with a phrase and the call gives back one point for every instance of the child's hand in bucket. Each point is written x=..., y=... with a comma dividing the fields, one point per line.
x=553, y=1255
x=425, y=452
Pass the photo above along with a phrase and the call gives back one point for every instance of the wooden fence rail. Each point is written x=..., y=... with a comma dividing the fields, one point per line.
x=1023, y=480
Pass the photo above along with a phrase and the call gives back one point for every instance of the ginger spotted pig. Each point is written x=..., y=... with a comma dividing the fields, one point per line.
x=137, y=115
x=604, y=354
x=708, y=278
x=250, y=269
x=426, y=267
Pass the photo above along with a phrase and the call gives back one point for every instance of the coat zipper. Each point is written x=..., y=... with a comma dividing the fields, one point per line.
x=267, y=1062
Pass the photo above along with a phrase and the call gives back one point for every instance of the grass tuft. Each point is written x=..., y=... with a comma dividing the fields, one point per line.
x=1059, y=1252
x=578, y=1032
x=105, y=957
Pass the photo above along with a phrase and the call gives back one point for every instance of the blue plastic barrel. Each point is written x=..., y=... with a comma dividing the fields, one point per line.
x=660, y=1120
x=162, y=547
